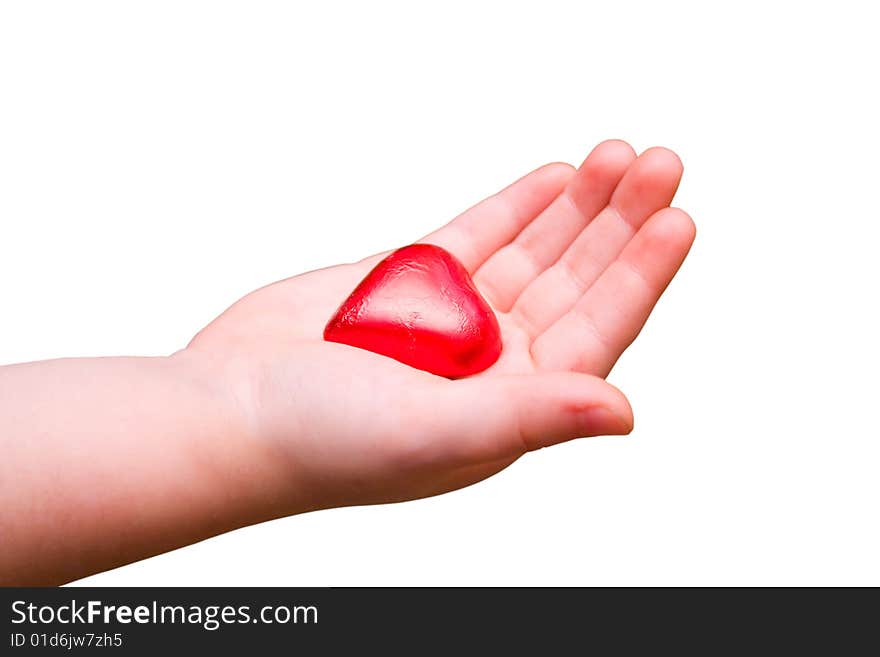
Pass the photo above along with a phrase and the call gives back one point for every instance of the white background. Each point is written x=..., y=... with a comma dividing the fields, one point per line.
x=159, y=160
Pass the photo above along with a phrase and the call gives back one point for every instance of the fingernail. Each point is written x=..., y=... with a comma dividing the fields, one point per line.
x=600, y=421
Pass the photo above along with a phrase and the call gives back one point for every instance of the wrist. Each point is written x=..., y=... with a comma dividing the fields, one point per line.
x=250, y=472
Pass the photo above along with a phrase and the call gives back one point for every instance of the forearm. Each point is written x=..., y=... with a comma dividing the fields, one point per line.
x=109, y=460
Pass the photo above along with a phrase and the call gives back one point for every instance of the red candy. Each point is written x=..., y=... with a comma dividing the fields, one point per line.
x=419, y=306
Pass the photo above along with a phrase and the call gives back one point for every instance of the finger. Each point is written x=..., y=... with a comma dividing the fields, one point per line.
x=487, y=419
x=648, y=186
x=503, y=277
x=604, y=322
x=478, y=232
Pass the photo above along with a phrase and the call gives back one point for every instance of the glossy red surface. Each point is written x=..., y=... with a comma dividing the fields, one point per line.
x=419, y=306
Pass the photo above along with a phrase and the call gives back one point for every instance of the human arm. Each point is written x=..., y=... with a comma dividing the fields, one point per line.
x=111, y=460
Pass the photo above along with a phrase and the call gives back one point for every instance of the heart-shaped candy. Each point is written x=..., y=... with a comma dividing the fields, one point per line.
x=419, y=306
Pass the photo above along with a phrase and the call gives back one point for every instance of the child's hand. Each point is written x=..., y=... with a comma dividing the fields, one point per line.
x=110, y=460
x=572, y=263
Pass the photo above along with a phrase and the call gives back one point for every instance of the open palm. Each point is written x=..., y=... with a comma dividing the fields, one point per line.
x=572, y=262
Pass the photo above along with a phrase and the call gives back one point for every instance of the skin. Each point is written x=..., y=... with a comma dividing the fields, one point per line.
x=111, y=460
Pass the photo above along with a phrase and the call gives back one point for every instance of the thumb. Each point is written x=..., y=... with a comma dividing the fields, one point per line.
x=488, y=418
